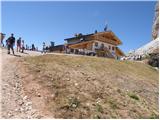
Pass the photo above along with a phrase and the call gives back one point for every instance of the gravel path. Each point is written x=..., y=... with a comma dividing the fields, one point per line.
x=14, y=102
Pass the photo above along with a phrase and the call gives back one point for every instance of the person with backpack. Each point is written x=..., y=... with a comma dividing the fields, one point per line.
x=10, y=43
x=19, y=44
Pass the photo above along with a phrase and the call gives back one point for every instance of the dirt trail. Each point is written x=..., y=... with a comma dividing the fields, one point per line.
x=14, y=101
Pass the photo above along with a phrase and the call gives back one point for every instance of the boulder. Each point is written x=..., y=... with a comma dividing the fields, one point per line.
x=154, y=60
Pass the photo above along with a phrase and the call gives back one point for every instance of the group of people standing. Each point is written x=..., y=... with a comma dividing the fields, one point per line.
x=45, y=48
x=20, y=45
x=10, y=42
x=132, y=57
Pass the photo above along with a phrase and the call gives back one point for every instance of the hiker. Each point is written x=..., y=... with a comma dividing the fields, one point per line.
x=7, y=43
x=26, y=47
x=10, y=43
x=22, y=46
x=2, y=37
x=19, y=44
x=33, y=47
x=2, y=43
x=44, y=48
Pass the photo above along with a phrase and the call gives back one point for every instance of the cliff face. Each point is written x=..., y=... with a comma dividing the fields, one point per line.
x=155, y=27
x=152, y=46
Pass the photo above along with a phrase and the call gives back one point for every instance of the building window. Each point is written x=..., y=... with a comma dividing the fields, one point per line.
x=96, y=44
x=112, y=48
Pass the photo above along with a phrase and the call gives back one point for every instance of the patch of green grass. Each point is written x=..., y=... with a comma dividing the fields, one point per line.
x=113, y=104
x=133, y=96
x=73, y=102
x=154, y=116
x=70, y=103
x=99, y=108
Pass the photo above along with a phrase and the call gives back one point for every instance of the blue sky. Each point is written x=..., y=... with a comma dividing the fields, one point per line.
x=38, y=22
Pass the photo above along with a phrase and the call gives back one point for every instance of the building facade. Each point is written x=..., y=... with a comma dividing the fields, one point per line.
x=103, y=44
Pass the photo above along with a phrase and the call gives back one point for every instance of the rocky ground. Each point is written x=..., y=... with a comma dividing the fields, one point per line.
x=92, y=87
x=71, y=86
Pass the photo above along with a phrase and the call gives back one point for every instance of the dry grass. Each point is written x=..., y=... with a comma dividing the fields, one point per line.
x=91, y=87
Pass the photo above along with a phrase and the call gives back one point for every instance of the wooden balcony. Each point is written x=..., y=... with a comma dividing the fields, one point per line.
x=106, y=40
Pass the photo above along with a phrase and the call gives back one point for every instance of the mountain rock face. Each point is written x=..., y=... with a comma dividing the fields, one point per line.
x=153, y=46
x=155, y=27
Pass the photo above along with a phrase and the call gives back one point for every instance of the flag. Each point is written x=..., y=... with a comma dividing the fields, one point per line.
x=106, y=26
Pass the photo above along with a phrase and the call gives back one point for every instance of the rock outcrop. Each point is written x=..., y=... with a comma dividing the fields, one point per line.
x=149, y=51
x=155, y=27
x=152, y=46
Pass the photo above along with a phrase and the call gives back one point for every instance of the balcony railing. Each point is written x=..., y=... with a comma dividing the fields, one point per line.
x=100, y=38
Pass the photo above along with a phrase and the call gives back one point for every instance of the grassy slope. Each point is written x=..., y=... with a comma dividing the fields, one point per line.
x=90, y=87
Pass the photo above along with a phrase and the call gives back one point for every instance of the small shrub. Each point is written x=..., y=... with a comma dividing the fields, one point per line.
x=113, y=104
x=154, y=116
x=154, y=60
x=133, y=96
x=73, y=102
x=99, y=108
x=118, y=90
